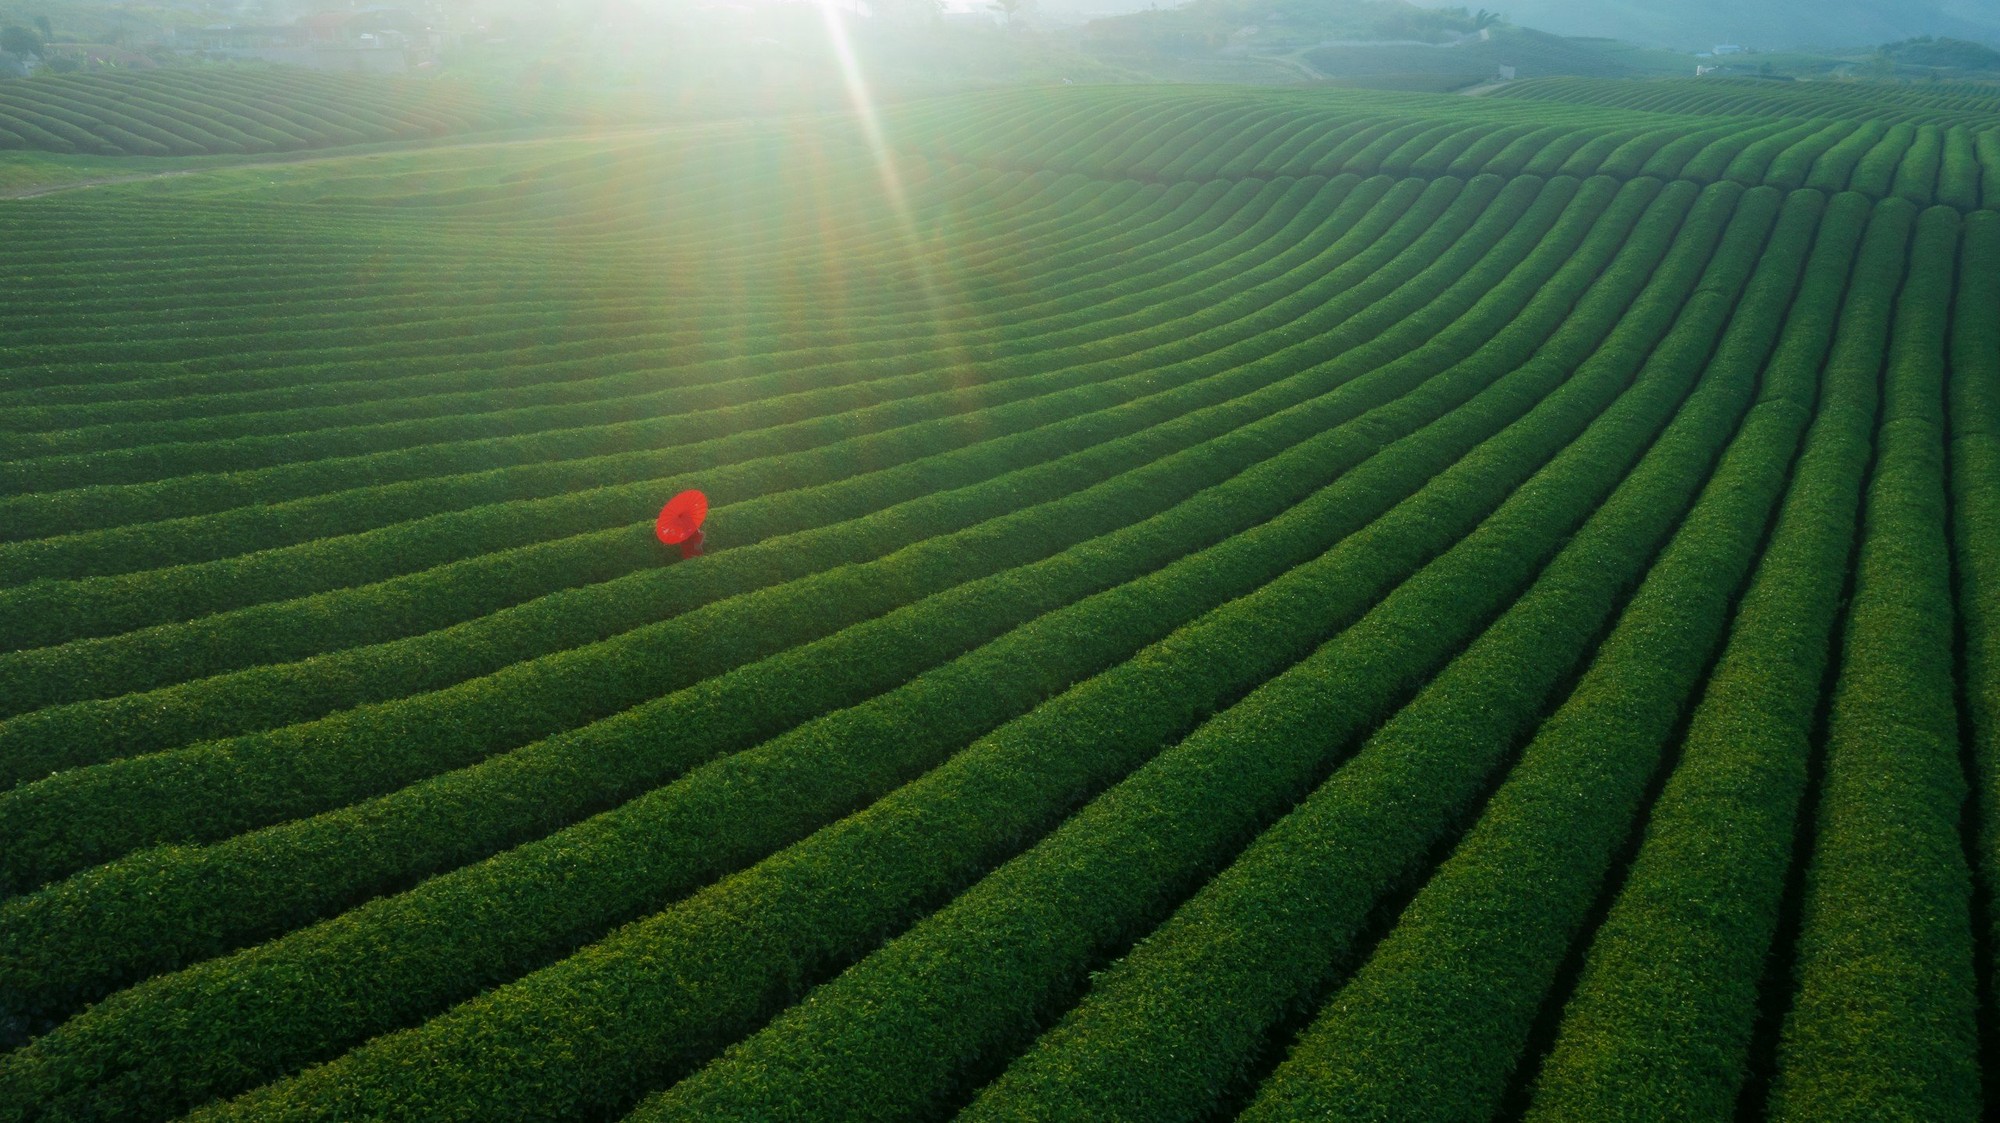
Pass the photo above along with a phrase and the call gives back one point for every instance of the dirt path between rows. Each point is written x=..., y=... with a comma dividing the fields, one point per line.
x=106, y=181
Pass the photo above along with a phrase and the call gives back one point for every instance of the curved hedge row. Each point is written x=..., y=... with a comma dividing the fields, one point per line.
x=1409, y=781
x=1641, y=1031
x=212, y=112
x=1918, y=155
x=1883, y=1016
x=1751, y=97
x=1291, y=604
x=1973, y=407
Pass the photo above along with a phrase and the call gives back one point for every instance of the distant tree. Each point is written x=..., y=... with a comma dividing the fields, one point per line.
x=910, y=13
x=1949, y=54
x=18, y=40
x=48, y=32
x=1430, y=25
x=1015, y=12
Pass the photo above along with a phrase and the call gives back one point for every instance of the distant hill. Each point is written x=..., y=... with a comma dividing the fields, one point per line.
x=1946, y=55
x=1762, y=24
x=1522, y=52
x=1264, y=24
x=1377, y=43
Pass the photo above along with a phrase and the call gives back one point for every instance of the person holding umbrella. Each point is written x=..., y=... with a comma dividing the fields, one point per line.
x=680, y=522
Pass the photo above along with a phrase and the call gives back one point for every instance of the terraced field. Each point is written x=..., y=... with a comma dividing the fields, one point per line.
x=1928, y=103
x=222, y=111
x=1274, y=605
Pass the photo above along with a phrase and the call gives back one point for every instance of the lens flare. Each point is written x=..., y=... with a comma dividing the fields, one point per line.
x=865, y=112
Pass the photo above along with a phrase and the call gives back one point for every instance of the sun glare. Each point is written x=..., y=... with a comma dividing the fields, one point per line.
x=864, y=106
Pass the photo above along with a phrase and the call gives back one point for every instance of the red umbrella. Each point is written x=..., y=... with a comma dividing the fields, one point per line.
x=681, y=518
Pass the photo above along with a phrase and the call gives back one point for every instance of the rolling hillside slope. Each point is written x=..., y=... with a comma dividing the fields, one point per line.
x=1767, y=25
x=1219, y=603
x=203, y=112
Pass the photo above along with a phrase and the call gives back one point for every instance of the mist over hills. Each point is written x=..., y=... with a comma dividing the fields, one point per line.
x=1762, y=24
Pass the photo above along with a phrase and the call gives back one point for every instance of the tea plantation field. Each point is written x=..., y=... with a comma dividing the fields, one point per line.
x=1285, y=604
x=223, y=111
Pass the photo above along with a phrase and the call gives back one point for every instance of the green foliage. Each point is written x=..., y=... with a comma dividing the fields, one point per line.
x=1664, y=1009
x=1529, y=54
x=1944, y=54
x=1203, y=583
x=1973, y=402
x=1263, y=932
x=798, y=913
x=21, y=41
x=1882, y=1016
x=1714, y=95
x=1535, y=846
x=454, y=709
x=197, y=111
x=1989, y=169
x=269, y=869
x=1535, y=127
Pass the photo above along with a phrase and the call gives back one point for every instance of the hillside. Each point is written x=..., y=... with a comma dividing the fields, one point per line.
x=1219, y=604
x=215, y=111
x=1367, y=43
x=1519, y=52
x=1969, y=109
x=1697, y=25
